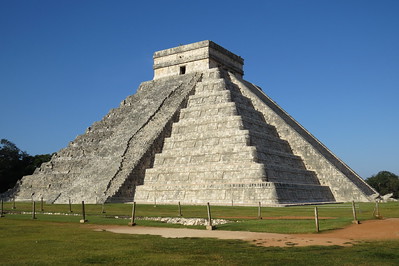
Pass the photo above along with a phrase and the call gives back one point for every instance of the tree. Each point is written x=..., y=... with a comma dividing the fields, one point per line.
x=385, y=182
x=35, y=162
x=14, y=164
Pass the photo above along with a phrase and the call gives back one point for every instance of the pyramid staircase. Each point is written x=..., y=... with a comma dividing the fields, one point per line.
x=222, y=151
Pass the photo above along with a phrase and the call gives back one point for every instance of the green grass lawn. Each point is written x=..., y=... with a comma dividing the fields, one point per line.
x=39, y=242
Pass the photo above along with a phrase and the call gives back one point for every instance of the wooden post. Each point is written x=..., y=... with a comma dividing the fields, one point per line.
x=355, y=220
x=70, y=205
x=33, y=210
x=260, y=211
x=2, y=209
x=132, y=223
x=180, y=214
x=13, y=203
x=209, y=226
x=316, y=219
x=377, y=210
x=83, y=214
x=103, y=208
x=41, y=204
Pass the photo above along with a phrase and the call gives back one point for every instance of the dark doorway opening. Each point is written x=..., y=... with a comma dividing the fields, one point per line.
x=182, y=70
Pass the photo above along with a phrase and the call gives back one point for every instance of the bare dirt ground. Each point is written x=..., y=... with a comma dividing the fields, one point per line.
x=366, y=231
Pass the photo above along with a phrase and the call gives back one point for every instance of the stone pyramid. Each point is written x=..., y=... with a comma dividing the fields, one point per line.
x=197, y=133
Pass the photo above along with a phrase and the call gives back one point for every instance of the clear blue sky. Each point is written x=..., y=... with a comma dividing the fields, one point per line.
x=333, y=65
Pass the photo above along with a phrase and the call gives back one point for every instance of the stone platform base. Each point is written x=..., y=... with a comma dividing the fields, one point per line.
x=245, y=194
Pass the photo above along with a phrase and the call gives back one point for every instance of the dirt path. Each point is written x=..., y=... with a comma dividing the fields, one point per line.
x=368, y=230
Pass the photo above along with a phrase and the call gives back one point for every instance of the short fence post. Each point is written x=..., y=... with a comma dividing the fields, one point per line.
x=41, y=204
x=83, y=214
x=2, y=209
x=33, y=210
x=355, y=220
x=209, y=226
x=260, y=211
x=70, y=205
x=13, y=203
x=103, y=208
x=316, y=219
x=180, y=214
x=132, y=223
x=377, y=210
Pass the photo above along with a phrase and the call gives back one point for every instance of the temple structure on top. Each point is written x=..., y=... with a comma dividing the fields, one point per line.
x=198, y=132
x=196, y=57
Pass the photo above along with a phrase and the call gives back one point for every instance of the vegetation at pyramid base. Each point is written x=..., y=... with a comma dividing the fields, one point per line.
x=385, y=182
x=14, y=164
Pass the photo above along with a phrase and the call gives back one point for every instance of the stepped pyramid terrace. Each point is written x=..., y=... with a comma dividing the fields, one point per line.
x=197, y=133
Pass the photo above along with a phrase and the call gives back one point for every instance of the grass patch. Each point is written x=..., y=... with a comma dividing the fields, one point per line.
x=284, y=226
x=47, y=243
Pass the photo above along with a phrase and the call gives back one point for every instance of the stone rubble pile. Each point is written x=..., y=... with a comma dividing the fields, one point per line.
x=185, y=221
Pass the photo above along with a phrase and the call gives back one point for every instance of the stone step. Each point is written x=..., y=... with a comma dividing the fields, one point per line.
x=231, y=185
x=255, y=125
x=216, y=155
x=210, y=176
x=226, y=130
x=231, y=136
x=189, y=126
x=263, y=139
x=284, y=174
x=249, y=111
x=279, y=158
x=202, y=135
x=206, y=110
x=208, y=140
x=210, y=85
x=246, y=156
x=267, y=150
x=211, y=166
x=282, y=161
x=209, y=98
x=250, y=193
x=237, y=97
x=208, y=120
x=303, y=193
x=220, y=149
